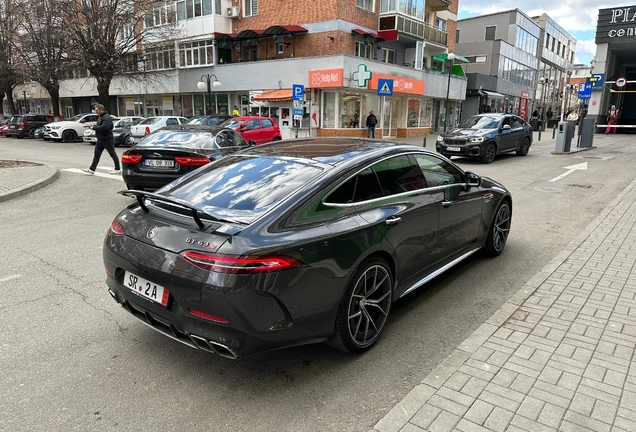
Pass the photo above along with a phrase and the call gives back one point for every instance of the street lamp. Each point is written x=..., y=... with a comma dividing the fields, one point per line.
x=451, y=57
x=24, y=93
x=206, y=81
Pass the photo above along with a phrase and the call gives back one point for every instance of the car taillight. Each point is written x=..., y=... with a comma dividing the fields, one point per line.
x=249, y=265
x=131, y=158
x=22, y=126
x=191, y=161
x=208, y=316
x=147, y=130
x=116, y=229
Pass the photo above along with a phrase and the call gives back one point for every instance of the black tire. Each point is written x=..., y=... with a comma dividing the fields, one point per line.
x=31, y=133
x=69, y=136
x=128, y=142
x=251, y=143
x=364, y=308
x=525, y=147
x=499, y=229
x=490, y=151
x=276, y=139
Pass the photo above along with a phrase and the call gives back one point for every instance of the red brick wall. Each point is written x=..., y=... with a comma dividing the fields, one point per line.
x=290, y=12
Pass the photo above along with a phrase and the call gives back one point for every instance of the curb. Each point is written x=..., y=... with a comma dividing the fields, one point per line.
x=399, y=416
x=49, y=175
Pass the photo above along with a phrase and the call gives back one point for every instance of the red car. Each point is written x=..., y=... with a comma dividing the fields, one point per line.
x=4, y=129
x=254, y=130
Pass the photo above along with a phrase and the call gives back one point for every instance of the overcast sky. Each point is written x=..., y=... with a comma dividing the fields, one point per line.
x=577, y=17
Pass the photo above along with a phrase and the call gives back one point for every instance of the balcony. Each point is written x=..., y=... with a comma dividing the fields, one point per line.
x=437, y=5
x=413, y=27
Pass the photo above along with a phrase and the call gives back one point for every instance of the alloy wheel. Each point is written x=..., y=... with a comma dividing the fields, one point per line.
x=369, y=306
x=501, y=228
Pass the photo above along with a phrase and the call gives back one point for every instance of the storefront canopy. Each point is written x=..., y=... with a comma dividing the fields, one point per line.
x=282, y=95
x=444, y=57
x=272, y=31
x=367, y=33
x=491, y=93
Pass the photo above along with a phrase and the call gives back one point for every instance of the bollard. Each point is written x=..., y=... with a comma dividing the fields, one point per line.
x=539, y=139
x=424, y=143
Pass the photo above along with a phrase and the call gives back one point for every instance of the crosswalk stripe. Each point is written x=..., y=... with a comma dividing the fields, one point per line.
x=97, y=173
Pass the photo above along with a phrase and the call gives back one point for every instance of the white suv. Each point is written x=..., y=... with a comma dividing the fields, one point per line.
x=71, y=129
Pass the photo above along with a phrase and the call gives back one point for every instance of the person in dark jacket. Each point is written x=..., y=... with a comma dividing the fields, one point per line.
x=105, y=140
x=372, y=121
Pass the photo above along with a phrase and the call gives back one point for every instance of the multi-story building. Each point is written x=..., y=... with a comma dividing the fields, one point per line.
x=517, y=63
x=258, y=49
x=502, y=51
x=556, y=55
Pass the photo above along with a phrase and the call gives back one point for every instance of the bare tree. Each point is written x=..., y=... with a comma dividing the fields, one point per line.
x=10, y=74
x=43, y=45
x=106, y=34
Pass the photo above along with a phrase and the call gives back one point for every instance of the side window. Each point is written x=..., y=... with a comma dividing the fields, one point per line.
x=438, y=172
x=213, y=121
x=30, y=119
x=238, y=140
x=517, y=123
x=362, y=187
x=171, y=121
x=267, y=123
x=505, y=121
x=124, y=123
x=253, y=124
x=398, y=175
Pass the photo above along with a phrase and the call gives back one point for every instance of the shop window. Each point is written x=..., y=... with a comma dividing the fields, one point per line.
x=329, y=110
x=413, y=116
x=349, y=110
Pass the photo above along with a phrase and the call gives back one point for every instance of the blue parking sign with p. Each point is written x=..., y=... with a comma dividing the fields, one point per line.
x=298, y=92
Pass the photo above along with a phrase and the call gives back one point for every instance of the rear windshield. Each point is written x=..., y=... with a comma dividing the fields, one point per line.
x=178, y=139
x=150, y=121
x=241, y=188
x=16, y=119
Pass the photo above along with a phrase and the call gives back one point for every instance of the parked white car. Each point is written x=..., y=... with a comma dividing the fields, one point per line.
x=151, y=124
x=69, y=130
x=118, y=123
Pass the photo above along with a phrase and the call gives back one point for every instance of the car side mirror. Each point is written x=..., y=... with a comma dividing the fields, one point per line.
x=82, y=121
x=472, y=180
x=505, y=127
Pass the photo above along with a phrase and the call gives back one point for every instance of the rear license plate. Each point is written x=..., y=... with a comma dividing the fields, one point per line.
x=159, y=163
x=146, y=289
x=453, y=149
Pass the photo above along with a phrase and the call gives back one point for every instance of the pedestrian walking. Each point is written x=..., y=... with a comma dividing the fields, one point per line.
x=372, y=121
x=105, y=140
x=612, y=119
x=235, y=111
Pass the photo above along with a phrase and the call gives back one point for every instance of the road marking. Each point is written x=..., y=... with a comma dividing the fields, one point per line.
x=97, y=173
x=8, y=278
x=571, y=169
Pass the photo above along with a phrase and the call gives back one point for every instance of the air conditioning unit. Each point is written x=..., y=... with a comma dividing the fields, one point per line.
x=233, y=12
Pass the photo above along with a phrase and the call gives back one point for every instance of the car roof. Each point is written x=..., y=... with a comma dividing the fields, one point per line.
x=330, y=151
x=194, y=128
x=250, y=117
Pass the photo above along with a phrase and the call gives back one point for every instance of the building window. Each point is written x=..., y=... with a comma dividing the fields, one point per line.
x=387, y=6
x=457, y=36
x=386, y=55
x=159, y=58
x=161, y=15
x=196, y=53
x=363, y=50
x=187, y=9
x=217, y=7
x=490, y=32
x=477, y=59
x=280, y=47
x=440, y=24
x=250, y=8
x=366, y=4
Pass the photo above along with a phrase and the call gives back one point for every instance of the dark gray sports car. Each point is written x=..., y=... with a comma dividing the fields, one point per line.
x=297, y=242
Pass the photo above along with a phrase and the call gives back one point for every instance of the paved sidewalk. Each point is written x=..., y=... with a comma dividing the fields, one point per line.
x=18, y=178
x=558, y=356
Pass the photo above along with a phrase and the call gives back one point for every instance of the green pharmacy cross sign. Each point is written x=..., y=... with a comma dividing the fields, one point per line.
x=362, y=75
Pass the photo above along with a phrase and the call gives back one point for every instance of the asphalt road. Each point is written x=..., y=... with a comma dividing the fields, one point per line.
x=72, y=359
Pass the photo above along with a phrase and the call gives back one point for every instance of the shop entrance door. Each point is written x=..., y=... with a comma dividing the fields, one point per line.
x=390, y=118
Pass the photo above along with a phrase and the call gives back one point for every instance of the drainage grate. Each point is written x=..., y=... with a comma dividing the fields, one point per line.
x=580, y=186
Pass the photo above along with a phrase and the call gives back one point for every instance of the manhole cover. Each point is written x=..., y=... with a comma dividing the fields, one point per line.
x=548, y=189
x=580, y=186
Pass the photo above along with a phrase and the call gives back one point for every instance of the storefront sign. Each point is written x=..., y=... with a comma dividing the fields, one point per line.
x=400, y=85
x=616, y=25
x=167, y=103
x=325, y=78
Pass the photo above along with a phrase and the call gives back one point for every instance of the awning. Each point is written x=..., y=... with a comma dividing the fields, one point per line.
x=272, y=31
x=367, y=33
x=281, y=30
x=389, y=35
x=250, y=34
x=491, y=93
x=444, y=57
x=282, y=95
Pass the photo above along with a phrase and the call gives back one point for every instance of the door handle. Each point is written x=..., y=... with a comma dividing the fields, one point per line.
x=447, y=204
x=394, y=220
